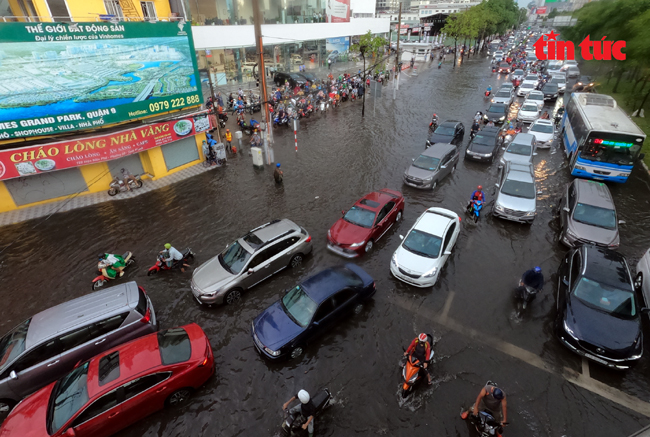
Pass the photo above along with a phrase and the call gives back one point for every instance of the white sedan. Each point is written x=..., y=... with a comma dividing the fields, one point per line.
x=536, y=97
x=543, y=131
x=531, y=78
x=642, y=278
x=528, y=112
x=524, y=89
x=424, y=252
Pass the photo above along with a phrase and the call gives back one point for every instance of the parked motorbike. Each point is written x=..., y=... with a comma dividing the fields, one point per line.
x=292, y=422
x=412, y=370
x=188, y=256
x=105, y=276
x=474, y=209
x=117, y=185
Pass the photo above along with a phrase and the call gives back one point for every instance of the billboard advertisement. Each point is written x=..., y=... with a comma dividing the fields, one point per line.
x=63, y=77
x=337, y=46
x=338, y=11
x=541, y=10
x=27, y=161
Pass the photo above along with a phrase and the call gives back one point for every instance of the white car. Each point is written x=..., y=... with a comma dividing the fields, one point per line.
x=543, y=131
x=569, y=63
x=517, y=74
x=498, y=54
x=524, y=89
x=425, y=249
x=554, y=67
x=560, y=81
x=528, y=112
x=504, y=95
x=531, y=78
x=536, y=97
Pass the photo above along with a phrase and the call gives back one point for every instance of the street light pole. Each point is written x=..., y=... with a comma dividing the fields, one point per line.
x=266, y=118
x=397, y=72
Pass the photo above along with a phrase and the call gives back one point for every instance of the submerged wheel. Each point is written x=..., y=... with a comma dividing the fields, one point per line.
x=296, y=352
x=152, y=272
x=368, y=247
x=434, y=185
x=178, y=397
x=138, y=184
x=233, y=296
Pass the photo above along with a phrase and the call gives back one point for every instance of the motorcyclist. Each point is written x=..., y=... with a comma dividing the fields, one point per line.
x=545, y=116
x=475, y=127
x=477, y=195
x=421, y=350
x=114, y=265
x=255, y=139
x=533, y=278
x=478, y=117
x=493, y=399
x=306, y=408
x=488, y=91
x=170, y=255
x=434, y=121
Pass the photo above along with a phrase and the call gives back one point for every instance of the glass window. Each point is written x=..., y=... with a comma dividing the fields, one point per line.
x=543, y=128
x=606, y=298
x=525, y=190
x=113, y=8
x=234, y=258
x=75, y=338
x=148, y=10
x=174, y=345
x=450, y=233
x=575, y=268
x=426, y=162
x=107, y=326
x=68, y=396
x=601, y=150
x=232, y=12
x=595, y=216
x=325, y=309
x=520, y=149
x=344, y=296
x=299, y=306
x=59, y=10
x=423, y=244
x=135, y=387
x=109, y=368
x=13, y=343
x=100, y=406
x=41, y=353
x=142, y=302
x=445, y=130
x=360, y=216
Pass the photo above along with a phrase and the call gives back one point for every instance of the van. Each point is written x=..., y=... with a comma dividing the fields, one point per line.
x=48, y=345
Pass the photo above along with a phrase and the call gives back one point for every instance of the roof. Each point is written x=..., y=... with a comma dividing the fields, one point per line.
x=490, y=131
x=81, y=311
x=593, y=193
x=324, y=284
x=520, y=172
x=542, y=121
x=524, y=138
x=379, y=197
x=606, y=266
x=438, y=150
x=273, y=229
x=434, y=222
x=603, y=114
x=449, y=123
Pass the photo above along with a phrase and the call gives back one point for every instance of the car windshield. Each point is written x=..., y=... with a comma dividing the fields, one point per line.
x=518, y=72
x=529, y=107
x=503, y=94
x=595, y=216
x=520, y=149
x=299, y=306
x=535, y=96
x=525, y=190
x=360, y=217
x=498, y=109
x=527, y=85
x=483, y=139
x=557, y=80
x=543, y=128
x=13, y=343
x=550, y=88
x=423, y=244
x=532, y=78
x=69, y=395
x=445, y=130
x=234, y=258
x=603, y=297
x=607, y=153
x=426, y=162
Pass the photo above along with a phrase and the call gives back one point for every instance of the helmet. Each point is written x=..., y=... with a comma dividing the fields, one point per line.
x=101, y=256
x=497, y=393
x=303, y=396
x=168, y=246
x=480, y=187
x=422, y=337
x=538, y=269
x=277, y=165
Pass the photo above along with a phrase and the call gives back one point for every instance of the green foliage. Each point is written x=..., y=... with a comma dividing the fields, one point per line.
x=368, y=44
x=486, y=18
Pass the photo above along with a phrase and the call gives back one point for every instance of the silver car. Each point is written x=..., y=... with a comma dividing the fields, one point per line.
x=517, y=196
x=49, y=344
x=504, y=95
x=560, y=81
x=588, y=215
x=573, y=72
x=521, y=149
x=434, y=164
x=249, y=260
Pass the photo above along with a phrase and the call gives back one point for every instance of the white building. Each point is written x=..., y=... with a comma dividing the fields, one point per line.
x=447, y=7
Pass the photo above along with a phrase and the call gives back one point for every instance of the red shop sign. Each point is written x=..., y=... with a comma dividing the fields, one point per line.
x=27, y=161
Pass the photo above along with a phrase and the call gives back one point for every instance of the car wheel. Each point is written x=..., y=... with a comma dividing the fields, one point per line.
x=179, y=397
x=296, y=352
x=638, y=281
x=368, y=247
x=296, y=261
x=358, y=308
x=233, y=296
x=6, y=405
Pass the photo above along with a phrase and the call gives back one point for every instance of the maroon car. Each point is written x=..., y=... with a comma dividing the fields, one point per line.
x=504, y=67
x=365, y=223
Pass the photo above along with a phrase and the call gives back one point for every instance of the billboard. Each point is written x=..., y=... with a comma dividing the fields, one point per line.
x=338, y=11
x=63, y=77
x=27, y=161
x=541, y=10
x=337, y=46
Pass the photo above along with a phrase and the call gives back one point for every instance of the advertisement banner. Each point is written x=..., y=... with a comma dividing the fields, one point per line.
x=337, y=46
x=541, y=10
x=63, y=77
x=27, y=161
x=338, y=11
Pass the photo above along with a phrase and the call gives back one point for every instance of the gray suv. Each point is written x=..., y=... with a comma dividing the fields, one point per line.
x=520, y=150
x=249, y=260
x=48, y=345
x=436, y=162
x=517, y=196
x=588, y=215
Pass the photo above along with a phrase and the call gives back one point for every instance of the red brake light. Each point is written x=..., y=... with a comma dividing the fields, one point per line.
x=147, y=316
x=207, y=355
x=308, y=239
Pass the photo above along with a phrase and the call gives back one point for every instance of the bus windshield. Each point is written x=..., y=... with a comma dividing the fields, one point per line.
x=613, y=149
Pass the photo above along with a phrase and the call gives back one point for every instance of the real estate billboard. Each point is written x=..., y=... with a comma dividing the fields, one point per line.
x=63, y=77
x=338, y=11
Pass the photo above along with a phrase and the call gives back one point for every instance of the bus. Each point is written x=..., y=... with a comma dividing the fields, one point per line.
x=494, y=46
x=600, y=140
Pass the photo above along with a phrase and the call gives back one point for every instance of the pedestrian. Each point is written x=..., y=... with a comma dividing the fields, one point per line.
x=229, y=140
x=329, y=63
x=278, y=174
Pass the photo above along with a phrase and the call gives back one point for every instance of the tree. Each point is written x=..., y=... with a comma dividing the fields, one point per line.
x=368, y=45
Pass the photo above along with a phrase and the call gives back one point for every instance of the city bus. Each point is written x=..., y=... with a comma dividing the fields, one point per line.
x=600, y=140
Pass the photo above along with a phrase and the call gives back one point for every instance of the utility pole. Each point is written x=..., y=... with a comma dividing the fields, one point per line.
x=397, y=70
x=266, y=119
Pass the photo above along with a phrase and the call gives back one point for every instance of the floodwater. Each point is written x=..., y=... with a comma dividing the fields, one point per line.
x=341, y=157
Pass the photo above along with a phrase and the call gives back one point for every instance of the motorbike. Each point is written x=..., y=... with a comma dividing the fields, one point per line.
x=488, y=94
x=277, y=121
x=292, y=422
x=485, y=424
x=188, y=256
x=558, y=116
x=474, y=209
x=105, y=276
x=117, y=185
x=223, y=118
x=434, y=124
x=412, y=370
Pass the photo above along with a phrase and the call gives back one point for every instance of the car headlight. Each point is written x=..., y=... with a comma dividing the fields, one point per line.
x=212, y=294
x=271, y=352
x=530, y=213
x=357, y=244
x=570, y=233
x=569, y=331
x=428, y=179
x=498, y=208
x=487, y=155
x=393, y=260
x=431, y=273
x=580, y=167
x=625, y=175
x=485, y=116
x=502, y=118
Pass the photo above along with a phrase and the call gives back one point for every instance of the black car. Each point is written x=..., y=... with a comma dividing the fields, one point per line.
x=311, y=77
x=597, y=312
x=584, y=85
x=294, y=79
x=451, y=131
x=550, y=90
x=496, y=113
x=483, y=147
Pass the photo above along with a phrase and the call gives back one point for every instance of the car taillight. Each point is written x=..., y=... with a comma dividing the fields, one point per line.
x=374, y=286
x=308, y=239
x=207, y=355
x=147, y=316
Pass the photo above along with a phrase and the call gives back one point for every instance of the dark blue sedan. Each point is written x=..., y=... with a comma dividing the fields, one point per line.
x=309, y=309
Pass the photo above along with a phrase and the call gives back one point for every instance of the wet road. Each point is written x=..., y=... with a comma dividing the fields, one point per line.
x=470, y=311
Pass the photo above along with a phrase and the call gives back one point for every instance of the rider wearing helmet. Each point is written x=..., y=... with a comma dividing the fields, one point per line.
x=421, y=350
x=492, y=399
x=114, y=265
x=478, y=194
x=170, y=254
x=533, y=278
x=306, y=408
x=278, y=174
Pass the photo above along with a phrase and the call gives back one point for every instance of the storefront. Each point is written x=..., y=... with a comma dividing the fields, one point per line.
x=53, y=171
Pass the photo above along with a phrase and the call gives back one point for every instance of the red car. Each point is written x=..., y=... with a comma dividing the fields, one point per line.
x=117, y=388
x=365, y=223
x=505, y=67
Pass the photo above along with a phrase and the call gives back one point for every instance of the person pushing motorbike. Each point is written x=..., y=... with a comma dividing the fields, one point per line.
x=533, y=278
x=493, y=399
x=306, y=408
x=171, y=255
x=421, y=350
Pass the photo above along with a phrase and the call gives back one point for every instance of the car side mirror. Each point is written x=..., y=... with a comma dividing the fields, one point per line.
x=447, y=252
x=645, y=310
x=443, y=166
x=250, y=271
x=564, y=280
x=566, y=209
x=315, y=323
x=496, y=185
x=13, y=375
x=503, y=148
x=401, y=237
x=413, y=159
x=70, y=432
x=342, y=212
x=535, y=154
x=621, y=222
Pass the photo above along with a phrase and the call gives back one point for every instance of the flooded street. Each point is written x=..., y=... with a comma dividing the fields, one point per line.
x=479, y=333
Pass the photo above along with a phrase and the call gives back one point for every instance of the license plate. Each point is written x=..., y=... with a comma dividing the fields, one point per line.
x=598, y=360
